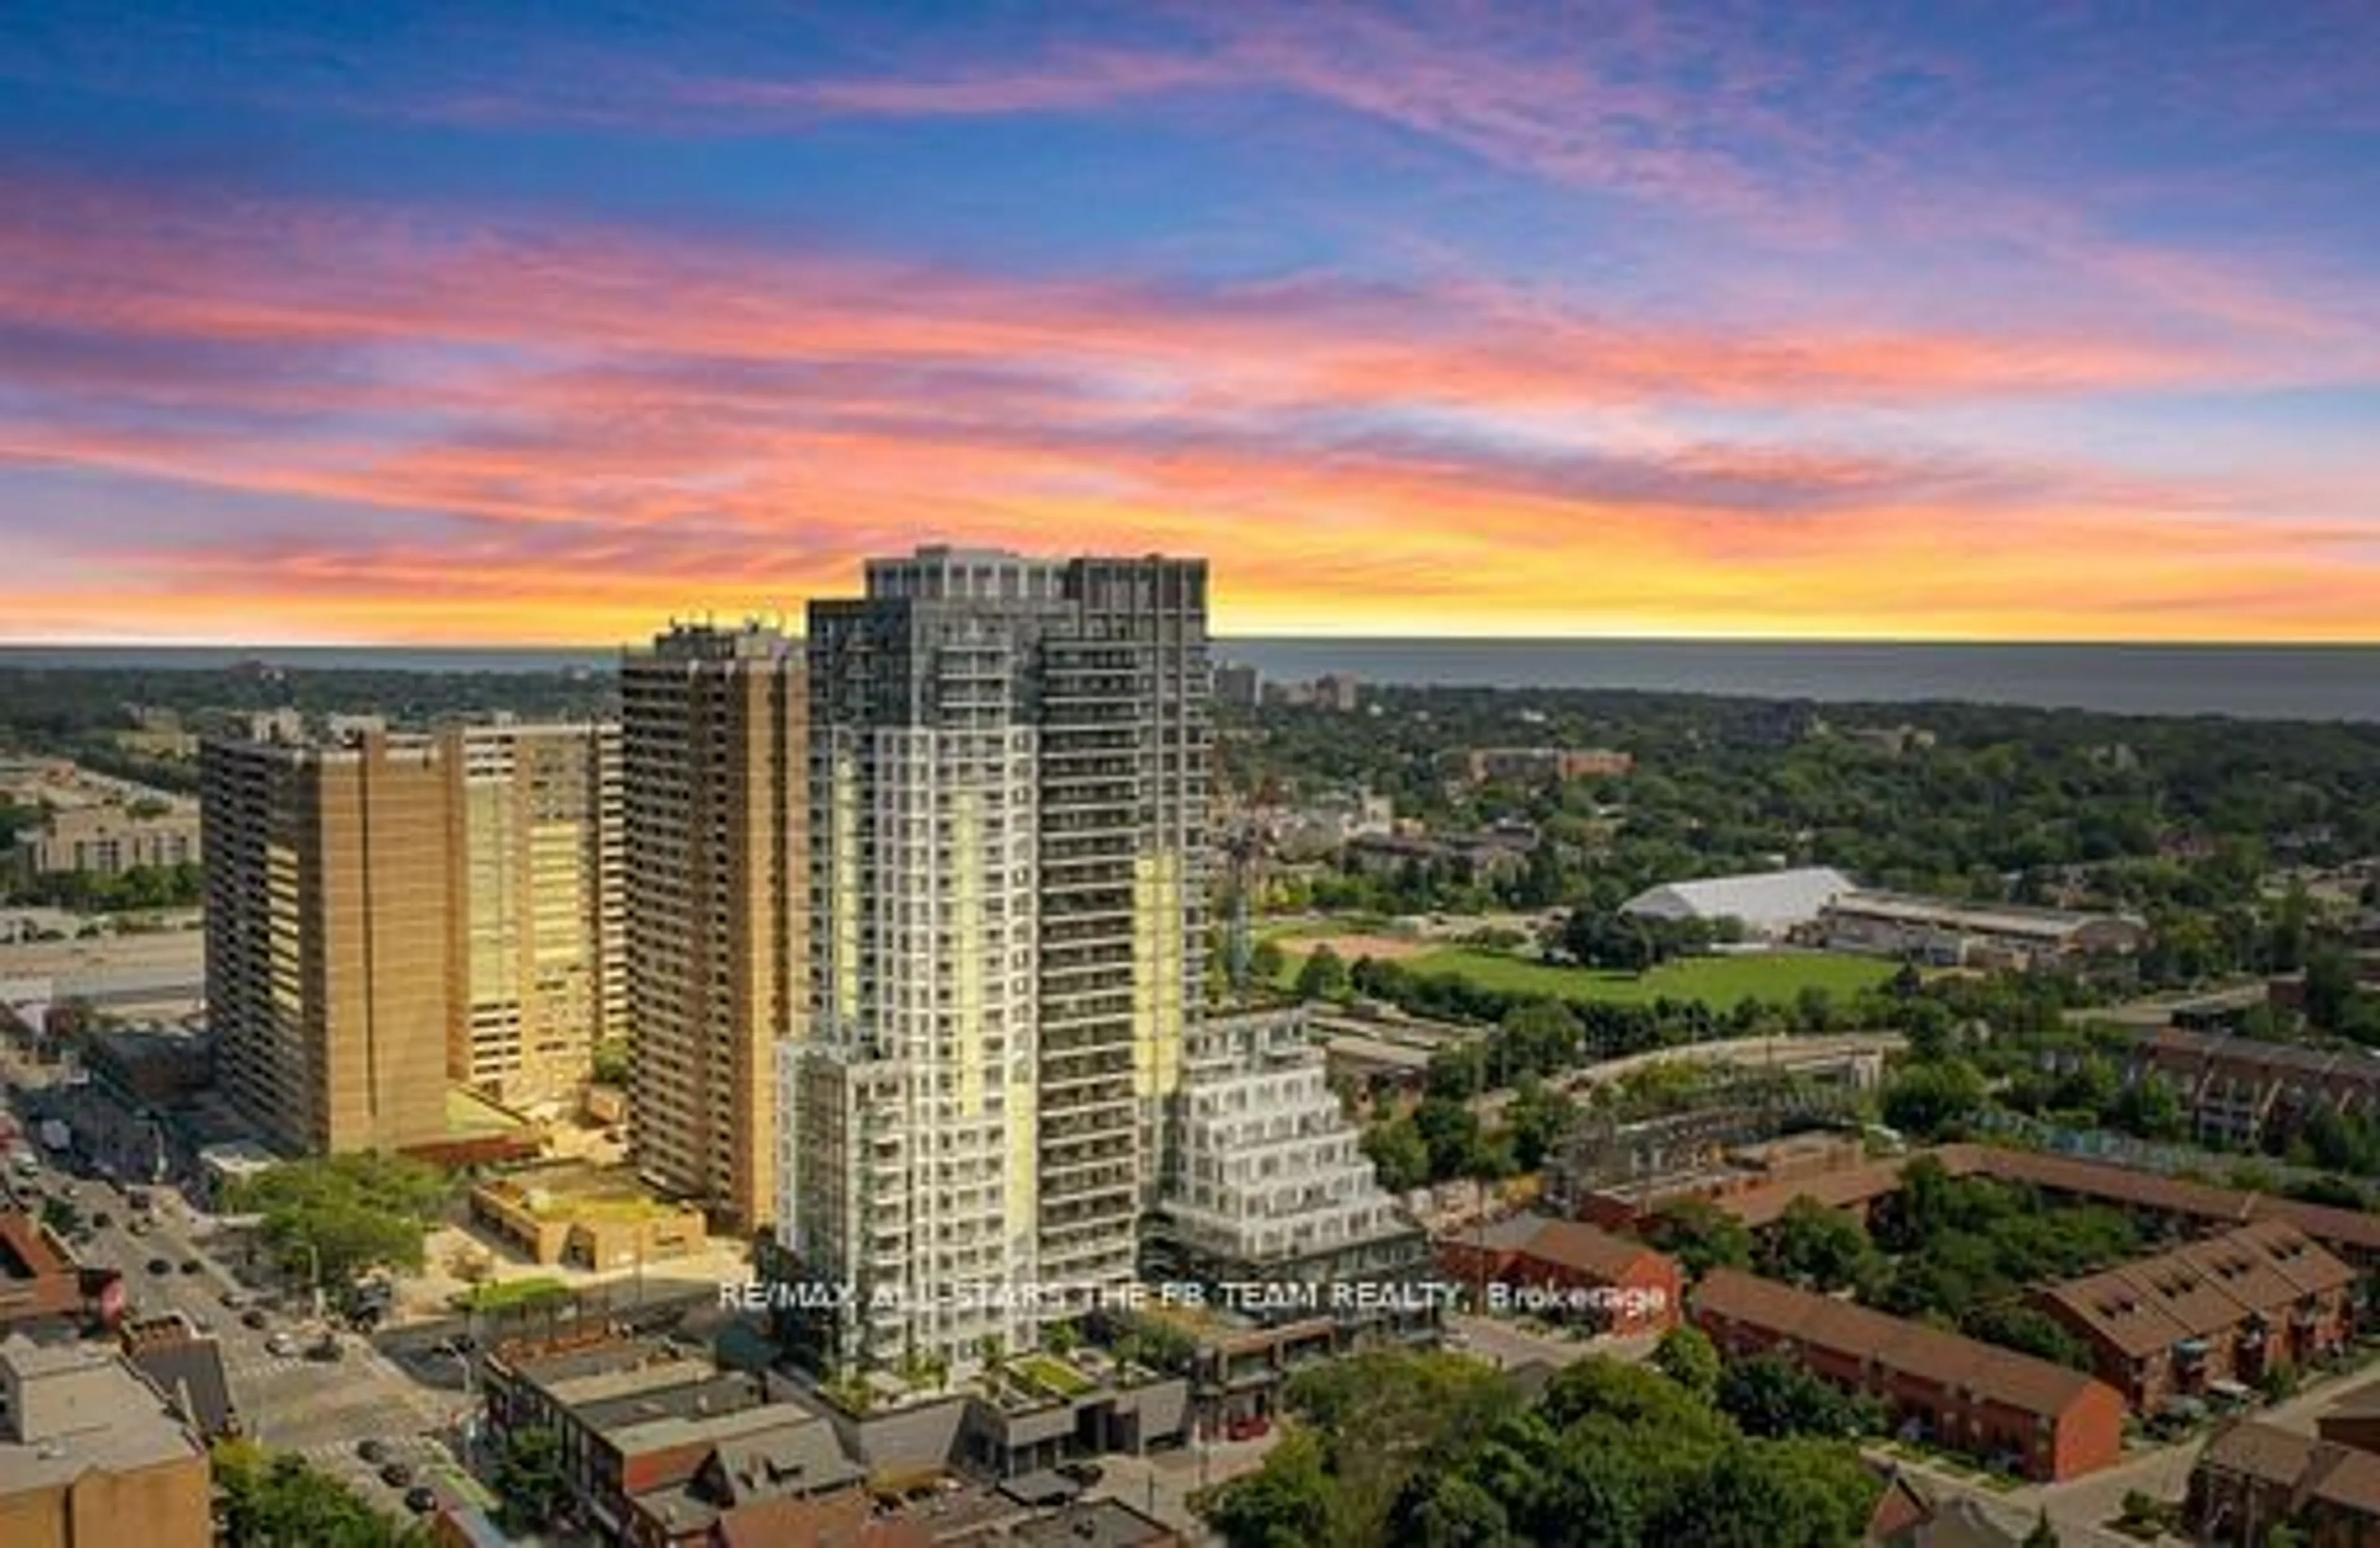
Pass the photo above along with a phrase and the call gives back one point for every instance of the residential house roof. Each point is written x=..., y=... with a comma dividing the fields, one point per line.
x=2333, y=1228
x=837, y=1521
x=1859, y=1334
x=2312, y=1469
x=1574, y=1244
x=2199, y=1289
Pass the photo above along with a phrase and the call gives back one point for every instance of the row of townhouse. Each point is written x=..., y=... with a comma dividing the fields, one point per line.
x=2212, y=1317
x=2007, y=1409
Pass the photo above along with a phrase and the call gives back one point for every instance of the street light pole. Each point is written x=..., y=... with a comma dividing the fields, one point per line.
x=314, y=1274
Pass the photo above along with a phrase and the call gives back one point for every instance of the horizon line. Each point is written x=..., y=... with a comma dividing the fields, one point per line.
x=1900, y=641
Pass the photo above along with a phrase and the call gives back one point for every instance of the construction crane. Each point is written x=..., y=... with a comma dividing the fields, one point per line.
x=1242, y=854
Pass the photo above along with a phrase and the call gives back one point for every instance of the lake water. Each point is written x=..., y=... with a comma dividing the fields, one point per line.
x=2320, y=682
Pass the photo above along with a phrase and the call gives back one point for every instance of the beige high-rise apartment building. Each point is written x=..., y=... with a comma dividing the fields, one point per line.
x=539, y=913
x=391, y=914
x=328, y=960
x=714, y=749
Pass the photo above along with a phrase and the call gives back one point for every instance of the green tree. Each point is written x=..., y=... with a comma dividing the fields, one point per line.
x=612, y=1062
x=1819, y=1248
x=1398, y=1153
x=1323, y=976
x=1291, y=1502
x=275, y=1500
x=2151, y=1109
x=1265, y=962
x=1687, y=1357
x=529, y=1478
x=344, y=1214
x=1933, y=1100
x=1774, y=1397
x=1450, y=1130
x=61, y=1216
x=1454, y=1512
x=1701, y=1236
x=1389, y=1416
x=1540, y=1115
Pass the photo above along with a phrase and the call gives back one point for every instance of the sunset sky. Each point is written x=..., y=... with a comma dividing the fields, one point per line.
x=488, y=322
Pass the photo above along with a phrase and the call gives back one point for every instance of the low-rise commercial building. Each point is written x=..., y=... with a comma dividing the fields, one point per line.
x=1543, y=765
x=2255, y=1477
x=577, y=1216
x=1484, y=859
x=658, y=1445
x=41, y=1286
x=2214, y=1316
x=1947, y=934
x=2007, y=1410
x=107, y=840
x=90, y=1457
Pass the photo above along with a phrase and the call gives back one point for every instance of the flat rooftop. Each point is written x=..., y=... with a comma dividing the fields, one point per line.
x=471, y=1116
x=140, y=1431
x=577, y=1191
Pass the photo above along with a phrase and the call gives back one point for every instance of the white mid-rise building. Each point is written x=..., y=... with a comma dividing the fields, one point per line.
x=1270, y=1179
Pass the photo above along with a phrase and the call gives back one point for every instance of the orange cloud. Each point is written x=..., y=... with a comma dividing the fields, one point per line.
x=572, y=433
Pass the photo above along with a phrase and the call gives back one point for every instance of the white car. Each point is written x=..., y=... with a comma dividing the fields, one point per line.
x=281, y=1344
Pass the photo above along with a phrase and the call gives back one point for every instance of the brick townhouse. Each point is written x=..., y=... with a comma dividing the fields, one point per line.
x=2042, y=1420
x=2210, y=1316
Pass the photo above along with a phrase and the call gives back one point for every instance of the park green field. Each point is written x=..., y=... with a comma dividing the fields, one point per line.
x=1720, y=982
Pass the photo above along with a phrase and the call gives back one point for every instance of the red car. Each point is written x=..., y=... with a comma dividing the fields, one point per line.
x=1248, y=1429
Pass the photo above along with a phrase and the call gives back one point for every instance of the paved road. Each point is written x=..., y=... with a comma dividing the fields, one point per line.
x=321, y=1409
x=1507, y=1344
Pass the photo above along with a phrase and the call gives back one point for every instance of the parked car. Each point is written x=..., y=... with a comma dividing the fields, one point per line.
x=254, y=1317
x=192, y=1265
x=326, y=1349
x=374, y=1450
x=160, y=1266
x=102, y=1221
x=281, y=1344
x=1253, y=1427
x=397, y=1475
x=420, y=1499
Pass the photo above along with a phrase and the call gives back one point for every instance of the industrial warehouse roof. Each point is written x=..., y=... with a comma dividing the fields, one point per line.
x=1996, y=919
x=1764, y=900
